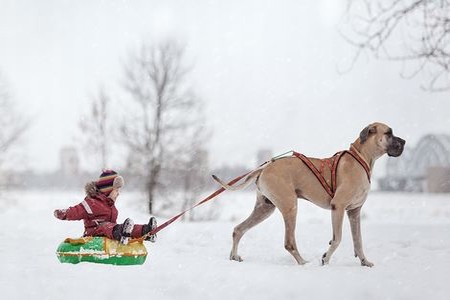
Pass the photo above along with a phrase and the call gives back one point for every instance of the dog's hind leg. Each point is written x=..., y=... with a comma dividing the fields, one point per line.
x=289, y=213
x=263, y=209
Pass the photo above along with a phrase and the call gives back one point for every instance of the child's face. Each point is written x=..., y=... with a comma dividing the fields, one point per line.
x=114, y=194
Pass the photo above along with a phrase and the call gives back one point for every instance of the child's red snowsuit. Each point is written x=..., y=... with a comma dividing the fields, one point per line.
x=99, y=215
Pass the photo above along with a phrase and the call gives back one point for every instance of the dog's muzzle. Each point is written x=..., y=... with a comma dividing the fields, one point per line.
x=396, y=147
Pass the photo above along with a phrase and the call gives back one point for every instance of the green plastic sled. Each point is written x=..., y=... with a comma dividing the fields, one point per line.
x=101, y=250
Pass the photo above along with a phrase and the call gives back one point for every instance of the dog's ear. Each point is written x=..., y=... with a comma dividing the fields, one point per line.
x=364, y=135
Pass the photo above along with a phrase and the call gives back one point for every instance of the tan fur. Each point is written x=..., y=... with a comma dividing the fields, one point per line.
x=91, y=189
x=281, y=182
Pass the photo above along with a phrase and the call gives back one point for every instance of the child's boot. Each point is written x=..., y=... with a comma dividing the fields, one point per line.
x=148, y=228
x=122, y=232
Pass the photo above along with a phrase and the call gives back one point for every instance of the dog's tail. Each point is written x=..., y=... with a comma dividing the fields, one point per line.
x=249, y=179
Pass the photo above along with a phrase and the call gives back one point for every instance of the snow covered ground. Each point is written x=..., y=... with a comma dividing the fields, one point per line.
x=407, y=236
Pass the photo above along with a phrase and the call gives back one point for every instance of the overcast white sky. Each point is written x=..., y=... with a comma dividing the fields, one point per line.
x=266, y=70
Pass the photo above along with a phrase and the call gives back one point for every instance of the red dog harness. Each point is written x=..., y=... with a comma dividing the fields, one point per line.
x=332, y=164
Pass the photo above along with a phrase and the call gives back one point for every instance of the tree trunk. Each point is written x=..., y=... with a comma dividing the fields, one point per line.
x=150, y=198
x=151, y=186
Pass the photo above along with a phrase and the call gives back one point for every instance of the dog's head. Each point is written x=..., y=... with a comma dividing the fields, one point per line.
x=383, y=137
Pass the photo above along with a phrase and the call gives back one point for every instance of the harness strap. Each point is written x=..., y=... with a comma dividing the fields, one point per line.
x=361, y=161
x=338, y=157
x=316, y=172
x=334, y=162
x=326, y=162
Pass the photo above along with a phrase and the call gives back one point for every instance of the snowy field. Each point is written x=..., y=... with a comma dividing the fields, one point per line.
x=407, y=236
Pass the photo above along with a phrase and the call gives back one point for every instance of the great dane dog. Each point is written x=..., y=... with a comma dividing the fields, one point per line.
x=280, y=182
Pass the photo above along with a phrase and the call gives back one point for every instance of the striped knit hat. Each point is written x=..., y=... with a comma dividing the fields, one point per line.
x=109, y=180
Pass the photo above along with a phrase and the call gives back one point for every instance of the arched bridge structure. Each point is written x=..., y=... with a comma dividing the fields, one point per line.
x=409, y=171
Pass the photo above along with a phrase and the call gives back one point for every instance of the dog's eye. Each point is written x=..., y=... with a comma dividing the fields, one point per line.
x=389, y=133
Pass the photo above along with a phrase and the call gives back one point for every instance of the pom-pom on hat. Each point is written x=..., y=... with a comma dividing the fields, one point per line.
x=108, y=181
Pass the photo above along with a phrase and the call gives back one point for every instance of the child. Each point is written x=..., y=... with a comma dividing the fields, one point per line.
x=100, y=214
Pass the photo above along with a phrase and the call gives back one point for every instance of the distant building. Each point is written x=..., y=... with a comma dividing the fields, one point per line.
x=425, y=168
x=68, y=176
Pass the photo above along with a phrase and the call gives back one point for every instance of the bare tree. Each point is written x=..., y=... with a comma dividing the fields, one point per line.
x=13, y=125
x=416, y=32
x=165, y=115
x=96, y=128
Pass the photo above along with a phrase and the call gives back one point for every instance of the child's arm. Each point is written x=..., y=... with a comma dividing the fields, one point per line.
x=77, y=212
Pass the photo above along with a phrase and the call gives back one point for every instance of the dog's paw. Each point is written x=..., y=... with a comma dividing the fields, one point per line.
x=235, y=257
x=325, y=259
x=366, y=263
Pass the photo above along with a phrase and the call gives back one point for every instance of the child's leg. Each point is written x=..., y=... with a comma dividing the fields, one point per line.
x=114, y=231
x=137, y=231
x=105, y=229
x=140, y=230
x=122, y=232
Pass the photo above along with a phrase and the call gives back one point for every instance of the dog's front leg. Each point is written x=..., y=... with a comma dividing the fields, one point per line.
x=354, y=217
x=337, y=217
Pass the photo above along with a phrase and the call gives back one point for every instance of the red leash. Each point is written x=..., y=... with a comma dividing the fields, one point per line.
x=173, y=219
